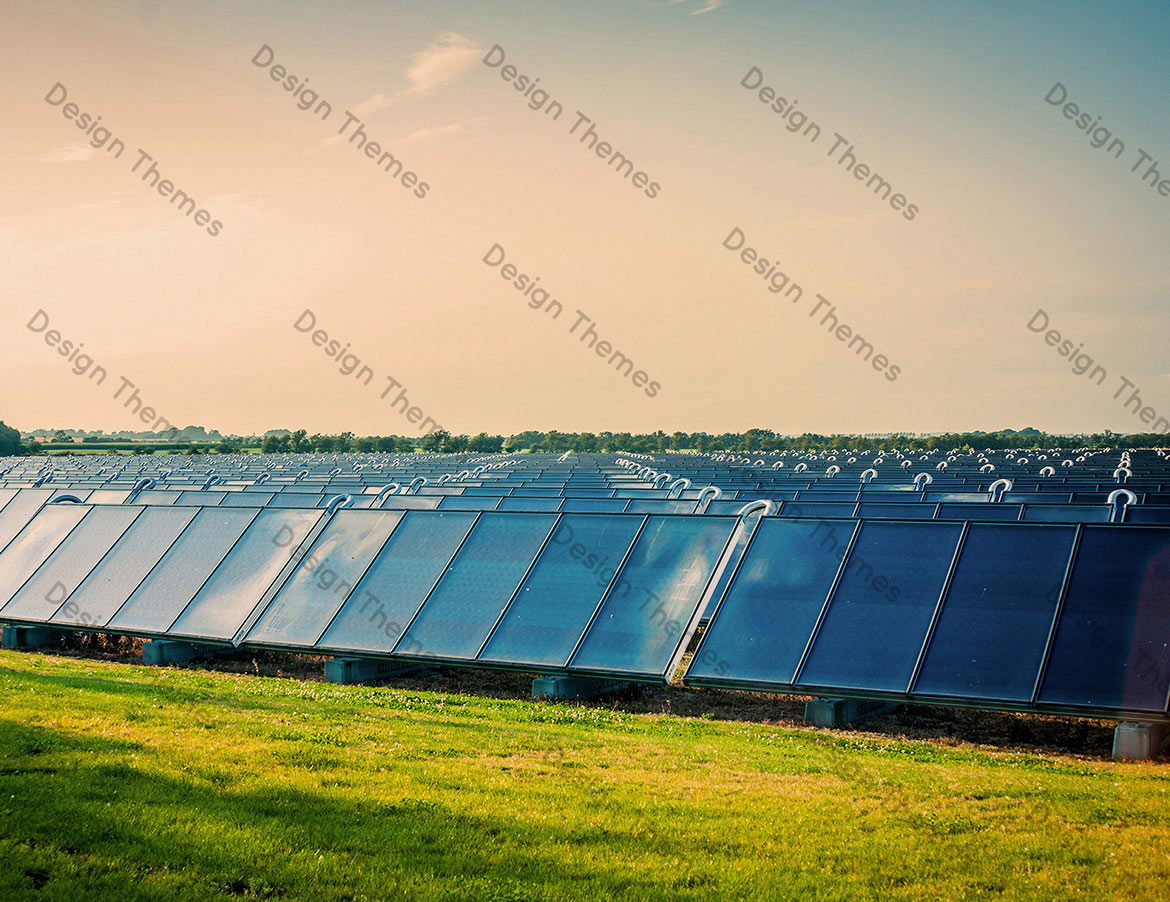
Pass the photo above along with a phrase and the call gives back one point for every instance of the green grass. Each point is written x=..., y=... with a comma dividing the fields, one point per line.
x=127, y=782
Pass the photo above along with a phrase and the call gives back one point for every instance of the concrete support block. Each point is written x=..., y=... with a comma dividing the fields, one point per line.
x=29, y=637
x=570, y=688
x=169, y=651
x=1140, y=741
x=840, y=712
x=348, y=671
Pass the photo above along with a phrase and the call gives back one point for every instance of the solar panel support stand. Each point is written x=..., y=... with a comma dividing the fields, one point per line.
x=1140, y=741
x=29, y=637
x=159, y=652
x=349, y=671
x=840, y=712
x=572, y=688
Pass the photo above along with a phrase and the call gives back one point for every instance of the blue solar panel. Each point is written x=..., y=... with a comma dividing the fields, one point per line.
x=116, y=576
x=877, y=619
x=397, y=582
x=650, y=608
x=324, y=578
x=1112, y=644
x=760, y=629
x=456, y=618
x=549, y=614
x=991, y=633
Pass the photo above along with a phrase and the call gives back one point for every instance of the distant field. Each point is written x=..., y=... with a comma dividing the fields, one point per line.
x=125, y=782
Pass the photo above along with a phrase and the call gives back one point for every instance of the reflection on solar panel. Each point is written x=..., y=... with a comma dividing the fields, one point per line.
x=478, y=584
x=649, y=610
x=553, y=607
x=374, y=615
x=332, y=567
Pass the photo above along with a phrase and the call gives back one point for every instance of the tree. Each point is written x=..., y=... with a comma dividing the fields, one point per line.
x=434, y=441
x=9, y=441
x=486, y=444
x=456, y=444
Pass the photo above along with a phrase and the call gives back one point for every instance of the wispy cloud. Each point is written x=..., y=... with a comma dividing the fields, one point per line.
x=425, y=134
x=77, y=152
x=701, y=6
x=448, y=57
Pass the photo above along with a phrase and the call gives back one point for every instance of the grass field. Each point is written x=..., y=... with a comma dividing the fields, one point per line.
x=125, y=782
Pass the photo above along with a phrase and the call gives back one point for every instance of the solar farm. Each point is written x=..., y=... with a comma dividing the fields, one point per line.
x=799, y=607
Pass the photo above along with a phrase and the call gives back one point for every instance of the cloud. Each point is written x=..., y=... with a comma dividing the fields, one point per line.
x=425, y=134
x=77, y=152
x=705, y=6
x=448, y=57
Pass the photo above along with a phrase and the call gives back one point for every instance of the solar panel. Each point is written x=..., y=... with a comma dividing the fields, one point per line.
x=456, y=618
x=17, y=512
x=70, y=562
x=174, y=580
x=238, y=584
x=651, y=606
x=374, y=615
x=877, y=619
x=993, y=627
x=760, y=629
x=334, y=564
x=551, y=610
x=35, y=542
x=1112, y=643
x=115, y=577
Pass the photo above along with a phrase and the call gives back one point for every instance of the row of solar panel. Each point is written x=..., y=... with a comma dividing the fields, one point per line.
x=1052, y=618
x=597, y=594
x=1059, y=618
x=902, y=509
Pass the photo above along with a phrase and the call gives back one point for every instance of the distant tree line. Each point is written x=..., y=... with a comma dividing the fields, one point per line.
x=753, y=440
x=757, y=440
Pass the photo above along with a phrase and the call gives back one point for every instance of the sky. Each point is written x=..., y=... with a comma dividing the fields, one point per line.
x=950, y=104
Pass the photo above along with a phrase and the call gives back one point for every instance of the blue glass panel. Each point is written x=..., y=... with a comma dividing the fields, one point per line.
x=761, y=628
x=35, y=542
x=324, y=578
x=602, y=505
x=239, y=583
x=553, y=607
x=456, y=618
x=171, y=585
x=878, y=510
x=113, y=580
x=877, y=620
x=1112, y=645
x=17, y=512
x=398, y=581
x=70, y=563
x=646, y=613
x=990, y=636
x=1066, y=513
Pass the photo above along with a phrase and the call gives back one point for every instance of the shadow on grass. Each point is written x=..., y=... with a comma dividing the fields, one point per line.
x=76, y=814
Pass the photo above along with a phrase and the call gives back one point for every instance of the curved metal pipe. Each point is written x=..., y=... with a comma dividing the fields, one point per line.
x=764, y=506
x=998, y=488
x=1119, y=500
x=338, y=501
x=385, y=492
x=706, y=496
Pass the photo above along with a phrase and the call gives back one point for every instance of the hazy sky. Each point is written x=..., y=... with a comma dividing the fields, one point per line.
x=1015, y=210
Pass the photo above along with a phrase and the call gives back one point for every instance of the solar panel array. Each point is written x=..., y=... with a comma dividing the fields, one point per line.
x=1032, y=581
